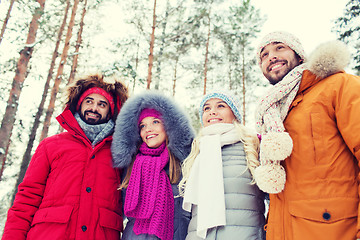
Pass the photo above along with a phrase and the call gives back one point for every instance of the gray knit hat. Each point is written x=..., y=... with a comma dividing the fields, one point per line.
x=284, y=37
x=230, y=99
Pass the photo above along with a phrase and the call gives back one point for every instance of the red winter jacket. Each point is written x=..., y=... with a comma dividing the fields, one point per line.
x=69, y=190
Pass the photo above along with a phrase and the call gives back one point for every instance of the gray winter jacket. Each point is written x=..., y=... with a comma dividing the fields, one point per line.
x=244, y=201
x=126, y=140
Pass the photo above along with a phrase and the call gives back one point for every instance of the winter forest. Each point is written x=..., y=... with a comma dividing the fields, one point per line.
x=183, y=48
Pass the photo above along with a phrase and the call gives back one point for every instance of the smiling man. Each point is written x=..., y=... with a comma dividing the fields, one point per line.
x=95, y=109
x=70, y=187
x=310, y=141
x=278, y=59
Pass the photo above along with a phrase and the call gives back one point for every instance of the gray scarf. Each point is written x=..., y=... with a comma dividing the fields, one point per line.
x=96, y=133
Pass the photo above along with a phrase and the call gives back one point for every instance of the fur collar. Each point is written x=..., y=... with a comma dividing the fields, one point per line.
x=126, y=137
x=328, y=58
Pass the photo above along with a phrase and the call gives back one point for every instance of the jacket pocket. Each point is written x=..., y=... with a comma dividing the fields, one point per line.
x=51, y=223
x=53, y=214
x=110, y=219
x=317, y=129
x=332, y=218
x=111, y=223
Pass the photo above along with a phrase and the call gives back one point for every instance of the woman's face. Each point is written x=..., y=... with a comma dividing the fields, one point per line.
x=217, y=111
x=152, y=132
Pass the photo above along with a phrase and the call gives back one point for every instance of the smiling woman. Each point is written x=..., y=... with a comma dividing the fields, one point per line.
x=223, y=156
x=217, y=111
x=152, y=136
x=152, y=130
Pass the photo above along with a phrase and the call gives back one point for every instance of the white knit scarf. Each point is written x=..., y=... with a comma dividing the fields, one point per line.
x=205, y=185
x=276, y=144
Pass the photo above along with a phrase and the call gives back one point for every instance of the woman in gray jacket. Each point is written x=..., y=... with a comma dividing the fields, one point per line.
x=217, y=184
x=152, y=137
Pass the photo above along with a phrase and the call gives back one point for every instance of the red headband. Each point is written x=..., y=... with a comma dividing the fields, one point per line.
x=102, y=92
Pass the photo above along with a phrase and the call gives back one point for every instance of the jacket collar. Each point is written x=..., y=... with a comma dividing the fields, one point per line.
x=308, y=80
x=67, y=120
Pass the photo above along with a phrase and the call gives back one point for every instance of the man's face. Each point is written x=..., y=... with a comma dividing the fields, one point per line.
x=95, y=109
x=277, y=60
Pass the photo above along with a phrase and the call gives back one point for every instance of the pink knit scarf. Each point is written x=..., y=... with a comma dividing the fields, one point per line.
x=149, y=198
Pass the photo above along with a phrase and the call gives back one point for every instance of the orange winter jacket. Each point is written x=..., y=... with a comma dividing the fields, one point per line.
x=321, y=195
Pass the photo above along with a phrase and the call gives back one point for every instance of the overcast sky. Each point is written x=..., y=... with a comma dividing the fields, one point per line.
x=310, y=20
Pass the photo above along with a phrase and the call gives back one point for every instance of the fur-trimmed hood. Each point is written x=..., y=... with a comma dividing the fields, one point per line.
x=110, y=85
x=328, y=59
x=126, y=137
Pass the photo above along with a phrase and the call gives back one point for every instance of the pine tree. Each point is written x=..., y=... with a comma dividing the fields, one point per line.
x=6, y=20
x=58, y=78
x=237, y=29
x=21, y=72
x=78, y=44
x=151, y=48
x=27, y=155
x=348, y=29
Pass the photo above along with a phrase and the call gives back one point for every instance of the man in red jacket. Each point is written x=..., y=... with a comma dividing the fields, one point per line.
x=70, y=188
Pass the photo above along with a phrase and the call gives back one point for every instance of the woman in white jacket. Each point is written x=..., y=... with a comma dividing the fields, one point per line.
x=217, y=184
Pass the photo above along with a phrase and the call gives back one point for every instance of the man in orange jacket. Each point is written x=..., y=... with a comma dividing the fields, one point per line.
x=310, y=148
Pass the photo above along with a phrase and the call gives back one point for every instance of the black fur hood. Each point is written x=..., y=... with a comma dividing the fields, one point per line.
x=126, y=137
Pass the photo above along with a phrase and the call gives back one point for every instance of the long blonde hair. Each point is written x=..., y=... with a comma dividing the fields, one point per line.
x=251, y=148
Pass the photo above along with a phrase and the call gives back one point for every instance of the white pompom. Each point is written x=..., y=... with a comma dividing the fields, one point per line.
x=270, y=178
x=275, y=146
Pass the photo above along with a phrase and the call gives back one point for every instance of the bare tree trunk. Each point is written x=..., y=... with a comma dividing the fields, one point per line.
x=57, y=81
x=76, y=52
x=243, y=84
x=6, y=20
x=6, y=153
x=207, y=54
x=136, y=63
x=27, y=154
x=20, y=75
x=78, y=44
x=175, y=75
x=162, y=47
x=230, y=76
x=151, y=54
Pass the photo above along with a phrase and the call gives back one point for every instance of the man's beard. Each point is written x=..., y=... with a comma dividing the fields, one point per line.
x=92, y=121
x=275, y=78
x=290, y=65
